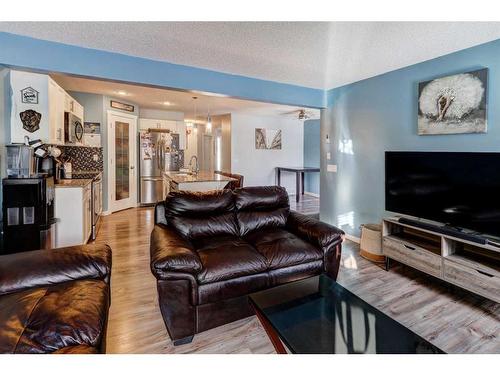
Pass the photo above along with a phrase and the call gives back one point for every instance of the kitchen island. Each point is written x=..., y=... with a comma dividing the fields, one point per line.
x=201, y=181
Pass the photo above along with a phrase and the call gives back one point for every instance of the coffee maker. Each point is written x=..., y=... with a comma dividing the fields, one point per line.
x=21, y=161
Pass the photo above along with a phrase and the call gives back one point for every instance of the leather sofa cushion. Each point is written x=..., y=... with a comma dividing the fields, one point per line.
x=197, y=215
x=226, y=258
x=261, y=207
x=194, y=228
x=239, y=286
x=293, y=273
x=47, y=319
x=260, y=198
x=35, y=269
x=282, y=248
x=198, y=204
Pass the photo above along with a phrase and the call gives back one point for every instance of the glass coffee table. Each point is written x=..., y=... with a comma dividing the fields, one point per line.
x=318, y=315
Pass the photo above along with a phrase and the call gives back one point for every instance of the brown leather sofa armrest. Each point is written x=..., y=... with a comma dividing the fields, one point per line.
x=172, y=253
x=160, y=217
x=47, y=267
x=322, y=235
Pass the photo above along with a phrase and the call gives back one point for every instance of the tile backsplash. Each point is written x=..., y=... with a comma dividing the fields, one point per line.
x=84, y=158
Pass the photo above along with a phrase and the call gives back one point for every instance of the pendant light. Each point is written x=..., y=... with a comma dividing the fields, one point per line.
x=208, y=125
x=195, y=126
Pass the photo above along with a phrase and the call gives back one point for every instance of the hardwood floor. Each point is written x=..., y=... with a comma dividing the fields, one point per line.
x=454, y=320
x=307, y=204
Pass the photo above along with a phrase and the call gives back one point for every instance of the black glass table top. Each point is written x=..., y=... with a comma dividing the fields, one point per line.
x=318, y=315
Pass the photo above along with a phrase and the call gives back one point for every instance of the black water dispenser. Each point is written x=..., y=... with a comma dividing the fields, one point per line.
x=28, y=213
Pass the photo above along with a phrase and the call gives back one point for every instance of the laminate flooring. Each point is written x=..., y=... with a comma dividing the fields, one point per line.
x=452, y=319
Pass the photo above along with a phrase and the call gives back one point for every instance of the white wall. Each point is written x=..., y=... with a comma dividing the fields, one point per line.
x=258, y=166
x=222, y=123
x=159, y=114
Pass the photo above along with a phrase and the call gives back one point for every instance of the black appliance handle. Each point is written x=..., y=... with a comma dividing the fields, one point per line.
x=78, y=130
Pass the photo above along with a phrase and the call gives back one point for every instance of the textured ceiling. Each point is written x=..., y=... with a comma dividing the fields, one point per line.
x=179, y=101
x=311, y=54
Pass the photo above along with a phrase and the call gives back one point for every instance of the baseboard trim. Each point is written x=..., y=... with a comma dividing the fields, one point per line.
x=353, y=238
x=311, y=194
x=105, y=213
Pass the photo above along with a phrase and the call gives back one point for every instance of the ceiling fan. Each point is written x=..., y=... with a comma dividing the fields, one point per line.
x=301, y=114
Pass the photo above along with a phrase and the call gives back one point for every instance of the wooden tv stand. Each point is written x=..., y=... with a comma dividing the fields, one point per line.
x=471, y=266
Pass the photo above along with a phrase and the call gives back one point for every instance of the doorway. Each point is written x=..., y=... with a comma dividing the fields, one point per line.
x=122, y=184
x=207, y=163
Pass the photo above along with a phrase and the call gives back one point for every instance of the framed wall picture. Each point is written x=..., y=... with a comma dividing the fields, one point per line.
x=267, y=139
x=122, y=106
x=455, y=104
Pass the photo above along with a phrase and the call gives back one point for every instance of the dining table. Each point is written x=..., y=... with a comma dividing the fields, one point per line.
x=299, y=177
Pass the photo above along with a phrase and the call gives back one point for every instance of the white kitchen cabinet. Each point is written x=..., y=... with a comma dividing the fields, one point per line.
x=146, y=123
x=78, y=110
x=73, y=209
x=71, y=105
x=56, y=105
x=177, y=127
x=87, y=213
x=40, y=93
x=181, y=130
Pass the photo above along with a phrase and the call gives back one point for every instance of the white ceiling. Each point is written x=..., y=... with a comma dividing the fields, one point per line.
x=311, y=54
x=178, y=101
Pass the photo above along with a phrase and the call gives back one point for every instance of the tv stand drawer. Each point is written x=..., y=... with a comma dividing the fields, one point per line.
x=476, y=280
x=412, y=255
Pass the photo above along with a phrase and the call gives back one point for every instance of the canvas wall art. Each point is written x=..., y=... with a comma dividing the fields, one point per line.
x=267, y=139
x=454, y=104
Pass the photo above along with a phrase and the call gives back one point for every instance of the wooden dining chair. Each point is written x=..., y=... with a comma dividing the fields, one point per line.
x=232, y=184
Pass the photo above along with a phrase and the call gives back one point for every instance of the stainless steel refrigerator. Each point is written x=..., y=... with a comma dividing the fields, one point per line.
x=158, y=152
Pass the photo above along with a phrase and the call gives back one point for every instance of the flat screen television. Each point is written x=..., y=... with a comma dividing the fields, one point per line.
x=460, y=189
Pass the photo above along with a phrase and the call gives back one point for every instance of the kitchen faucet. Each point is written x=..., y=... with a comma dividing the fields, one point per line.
x=196, y=167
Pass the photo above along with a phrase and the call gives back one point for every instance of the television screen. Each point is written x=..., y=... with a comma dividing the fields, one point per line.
x=461, y=189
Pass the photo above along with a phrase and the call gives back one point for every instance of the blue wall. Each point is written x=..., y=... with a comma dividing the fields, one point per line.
x=95, y=110
x=311, y=154
x=40, y=55
x=380, y=114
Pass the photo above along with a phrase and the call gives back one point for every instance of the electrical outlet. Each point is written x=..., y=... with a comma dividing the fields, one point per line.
x=331, y=168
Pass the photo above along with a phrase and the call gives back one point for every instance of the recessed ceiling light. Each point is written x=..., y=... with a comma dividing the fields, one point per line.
x=167, y=103
x=122, y=93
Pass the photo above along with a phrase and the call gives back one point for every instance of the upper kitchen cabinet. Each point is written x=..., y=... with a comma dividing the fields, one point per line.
x=38, y=104
x=56, y=112
x=146, y=123
x=180, y=127
x=176, y=127
x=72, y=106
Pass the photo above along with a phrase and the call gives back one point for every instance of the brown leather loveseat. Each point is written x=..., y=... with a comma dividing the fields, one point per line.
x=210, y=250
x=55, y=301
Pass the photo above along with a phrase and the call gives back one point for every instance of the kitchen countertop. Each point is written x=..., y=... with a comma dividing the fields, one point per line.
x=74, y=183
x=202, y=176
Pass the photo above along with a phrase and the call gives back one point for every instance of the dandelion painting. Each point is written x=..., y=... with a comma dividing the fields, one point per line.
x=453, y=105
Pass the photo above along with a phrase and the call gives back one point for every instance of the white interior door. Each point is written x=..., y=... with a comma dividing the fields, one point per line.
x=122, y=184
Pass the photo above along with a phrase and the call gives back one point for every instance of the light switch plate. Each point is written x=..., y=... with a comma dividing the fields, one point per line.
x=331, y=168
x=328, y=155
